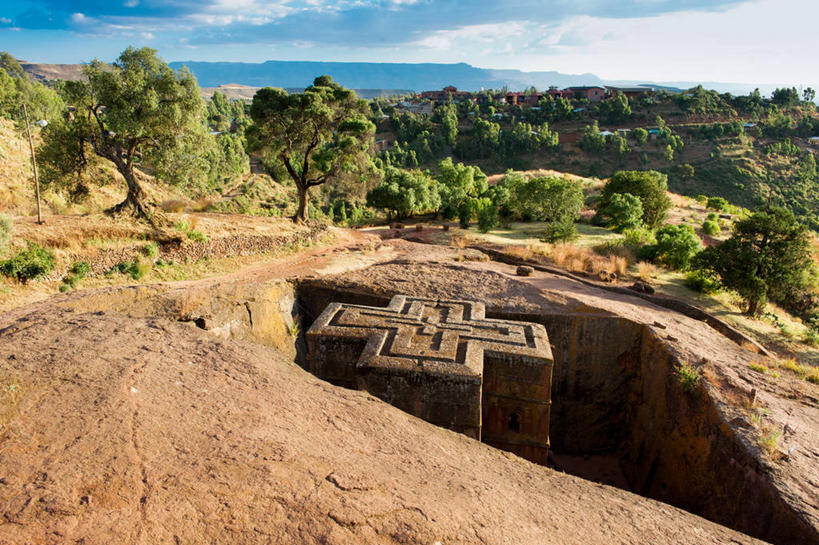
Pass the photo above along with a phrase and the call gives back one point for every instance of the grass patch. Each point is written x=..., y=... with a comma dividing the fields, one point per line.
x=758, y=367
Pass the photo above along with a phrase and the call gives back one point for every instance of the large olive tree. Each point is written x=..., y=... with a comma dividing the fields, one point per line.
x=316, y=135
x=137, y=110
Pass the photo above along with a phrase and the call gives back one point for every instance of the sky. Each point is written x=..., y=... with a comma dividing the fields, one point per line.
x=742, y=41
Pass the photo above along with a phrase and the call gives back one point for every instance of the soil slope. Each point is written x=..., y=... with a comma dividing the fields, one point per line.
x=135, y=430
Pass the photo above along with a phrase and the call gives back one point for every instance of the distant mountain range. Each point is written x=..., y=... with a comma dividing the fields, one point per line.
x=370, y=75
x=382, y=78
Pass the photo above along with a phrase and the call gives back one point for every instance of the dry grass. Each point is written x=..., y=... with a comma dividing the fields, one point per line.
x=174, y=205
x=646, y=271
x=459, y=241
x=584, y=260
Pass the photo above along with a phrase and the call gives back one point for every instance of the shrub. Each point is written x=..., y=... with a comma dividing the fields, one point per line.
x=717, y=203
x=702, y=199
x=811, y=337
x=151, y=249
x=702, y=282
x=688, y=375
x=31, y=263
x=76, y=273
x=197, y=236
x=6, y=230
x=135, y=268
x=710, y=228
x=676, y=247
x=559, y=232
x=639, y=237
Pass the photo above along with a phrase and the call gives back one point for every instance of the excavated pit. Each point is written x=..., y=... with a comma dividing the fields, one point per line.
x=619, y=416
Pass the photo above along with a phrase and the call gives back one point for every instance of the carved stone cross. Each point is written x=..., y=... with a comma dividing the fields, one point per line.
x=445, y=362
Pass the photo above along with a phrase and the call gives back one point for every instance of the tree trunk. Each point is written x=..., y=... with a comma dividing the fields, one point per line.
x=301, y=213
x=136, y=198
x=753, y=307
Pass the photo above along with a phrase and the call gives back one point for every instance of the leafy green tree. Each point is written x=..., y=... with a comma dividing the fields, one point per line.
x=766, y=258
x=458, y=183
x=676, y=246
x=592, y=140
x=316, y=136
x=447, y=116
x=785, y=96
x=649, y=186
x=557, y=201
x=11, y=65
x=404, y=193
x=809, y=95
x=8, y=95
x=624, y=211
x=137, y=110
x=615, y=109
x=640, y=136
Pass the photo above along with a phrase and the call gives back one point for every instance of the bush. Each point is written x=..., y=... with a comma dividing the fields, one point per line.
x=197, y=236
x=32, y=263
x=151, y=249
x=135, y=269
x=676, y=247
x=76, y=273
x=638, y=237
x=688, y=375
x=702, y=282
x=710, y=228
x=717, y=203
x=702, y=199
x=6, y=230
x=559, y=232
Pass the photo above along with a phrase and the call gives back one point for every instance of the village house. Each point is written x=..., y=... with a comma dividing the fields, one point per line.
x=631, y=92
x=444, y=95
x=592, y=93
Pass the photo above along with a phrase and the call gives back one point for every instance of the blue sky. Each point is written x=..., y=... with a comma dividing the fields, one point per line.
x=753, y=41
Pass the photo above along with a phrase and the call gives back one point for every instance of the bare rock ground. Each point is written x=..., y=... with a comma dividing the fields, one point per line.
x=147, y=431
x=132, y=429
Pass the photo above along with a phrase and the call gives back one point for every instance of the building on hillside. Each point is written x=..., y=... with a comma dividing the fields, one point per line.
x=813, y=141
x=555, y=93
x=447, y=93
x=631, y=92
x=593, y=93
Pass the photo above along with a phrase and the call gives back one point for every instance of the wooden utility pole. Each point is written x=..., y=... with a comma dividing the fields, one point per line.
x=33, y=165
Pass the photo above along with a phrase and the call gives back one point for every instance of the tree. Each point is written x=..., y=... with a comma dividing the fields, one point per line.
x=317, y=136
x=458, y=183
x=624, y=210
x=551, y=199
x=11, y=65
x=592, y=139
x=649, y=186
x=615, y=109
x=785, y=96
x=765, y=258
x=405, y=192
x=138, y=110
x=809, y=95
x=640, y=136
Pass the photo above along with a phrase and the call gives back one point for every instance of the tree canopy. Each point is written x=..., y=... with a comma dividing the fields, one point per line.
x=315, y=136
x=405, y=192
x=649, y=186
x=767, y=257
x=136, y=111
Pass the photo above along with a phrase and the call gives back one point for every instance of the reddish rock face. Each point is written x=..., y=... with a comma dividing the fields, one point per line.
x=443, y=361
